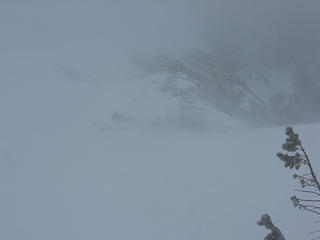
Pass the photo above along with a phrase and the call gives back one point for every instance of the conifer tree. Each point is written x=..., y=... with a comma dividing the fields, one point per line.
x=298, y=159
x=310, y=186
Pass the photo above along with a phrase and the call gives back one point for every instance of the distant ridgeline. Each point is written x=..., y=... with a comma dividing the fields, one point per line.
x=257, y=94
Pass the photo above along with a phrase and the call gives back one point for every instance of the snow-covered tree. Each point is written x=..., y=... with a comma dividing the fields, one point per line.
x=307, y=178
x=275, y=233
x=298, y=159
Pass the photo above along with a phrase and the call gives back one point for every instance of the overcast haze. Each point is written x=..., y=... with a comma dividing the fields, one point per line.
x=154, y=120
x=99, y=34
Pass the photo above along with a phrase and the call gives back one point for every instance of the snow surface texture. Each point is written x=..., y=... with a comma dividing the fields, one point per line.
x=77, y=162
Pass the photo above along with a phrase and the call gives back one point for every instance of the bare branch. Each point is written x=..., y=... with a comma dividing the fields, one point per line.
x=310, y=168
x=312, y=206
x=308, y=200
x=310, y=210
x=305, y=191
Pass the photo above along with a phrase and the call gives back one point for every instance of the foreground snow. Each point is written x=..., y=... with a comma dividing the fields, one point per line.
x=77, y=162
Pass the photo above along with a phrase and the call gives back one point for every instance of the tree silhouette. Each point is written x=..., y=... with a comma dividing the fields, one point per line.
x=299, y=160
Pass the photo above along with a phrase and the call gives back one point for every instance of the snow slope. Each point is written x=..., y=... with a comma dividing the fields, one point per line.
x=93, y=159
x=257, y=95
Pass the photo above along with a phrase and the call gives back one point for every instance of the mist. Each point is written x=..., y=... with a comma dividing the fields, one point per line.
x=154, y=119
x=102, y=35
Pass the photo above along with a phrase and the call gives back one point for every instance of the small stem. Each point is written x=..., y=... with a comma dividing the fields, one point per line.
x=310, y=210
x=311, y=206
x=308, y=200
x=305, y=191
x=310, y=168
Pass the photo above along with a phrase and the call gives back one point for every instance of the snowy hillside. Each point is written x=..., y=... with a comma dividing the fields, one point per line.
x=154, y=120
x=85, y=158
x=254, y=93
x=135, y=103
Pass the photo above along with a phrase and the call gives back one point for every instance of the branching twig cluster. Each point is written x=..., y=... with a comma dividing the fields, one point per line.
x=309, y=182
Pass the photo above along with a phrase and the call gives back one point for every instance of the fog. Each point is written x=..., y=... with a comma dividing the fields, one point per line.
x=154, y=120
x=106, y=41
x=101, y=32
x=100, y=35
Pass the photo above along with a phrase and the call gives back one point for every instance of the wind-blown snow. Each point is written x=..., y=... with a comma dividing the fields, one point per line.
x=114, y=160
